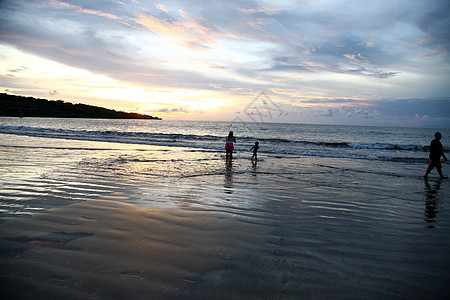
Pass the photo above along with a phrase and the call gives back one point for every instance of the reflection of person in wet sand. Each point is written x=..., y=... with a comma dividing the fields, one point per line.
x=436, y=151
x=431, y=201
x=229, y=146
x=229, y=177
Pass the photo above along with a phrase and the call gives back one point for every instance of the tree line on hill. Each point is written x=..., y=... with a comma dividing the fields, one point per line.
x=19, y=106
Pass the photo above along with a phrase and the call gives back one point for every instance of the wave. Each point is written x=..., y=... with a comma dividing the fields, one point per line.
x=367, y=146
x=85, y=134
x=394, y=147
x=375, y=151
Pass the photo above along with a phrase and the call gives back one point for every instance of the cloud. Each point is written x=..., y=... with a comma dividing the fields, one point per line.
x=424, y=117
x=18, y=70
x=173, y=110
x=373, y=72
x=343, y=111
x=339, y=59
x=330, y=101
x=411, y=108
x=356, y=57
x=80, y=9
x=194, y=31
x=266, y=10
x=387, y=112
x=362, y=113
x=433, y=107
x=326, y=113
x=161, y=7
x=435, y=24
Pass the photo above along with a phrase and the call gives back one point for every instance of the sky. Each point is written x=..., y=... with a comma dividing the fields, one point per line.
x=383, y=63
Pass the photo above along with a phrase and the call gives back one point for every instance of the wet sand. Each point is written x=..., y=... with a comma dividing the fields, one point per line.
x=105, y=249
x=109, y=221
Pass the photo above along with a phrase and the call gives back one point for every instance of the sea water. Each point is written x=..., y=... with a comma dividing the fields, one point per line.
x=336, y=156
x=354, y=142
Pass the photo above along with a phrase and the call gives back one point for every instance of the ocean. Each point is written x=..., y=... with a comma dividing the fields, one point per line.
x=354, y=142
x=155, y=207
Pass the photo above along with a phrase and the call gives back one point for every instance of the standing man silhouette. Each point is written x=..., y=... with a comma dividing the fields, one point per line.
x=436, y=151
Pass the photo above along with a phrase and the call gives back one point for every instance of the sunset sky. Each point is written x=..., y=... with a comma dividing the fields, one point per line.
x=316, y=61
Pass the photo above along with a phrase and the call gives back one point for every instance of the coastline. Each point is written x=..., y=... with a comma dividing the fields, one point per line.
x=20, y=106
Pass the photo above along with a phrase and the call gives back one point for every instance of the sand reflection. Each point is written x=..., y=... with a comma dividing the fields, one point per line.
x=431, y=201
x=228, y=182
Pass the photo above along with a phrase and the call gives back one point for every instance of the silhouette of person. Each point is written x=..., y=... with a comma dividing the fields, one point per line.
x=436, y=151
x=229, y=146
x=255, y=149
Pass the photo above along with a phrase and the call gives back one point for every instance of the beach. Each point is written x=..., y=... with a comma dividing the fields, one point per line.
x=99, y=219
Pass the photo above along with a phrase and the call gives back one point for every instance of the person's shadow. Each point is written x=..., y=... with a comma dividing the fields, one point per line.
x=431, y=202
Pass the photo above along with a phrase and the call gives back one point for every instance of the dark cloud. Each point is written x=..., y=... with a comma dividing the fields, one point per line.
x=288, y=67
x=436, y=26
x=432, y=107
x=21, y=69
x=173, y=110
x=362, y=113
x=330, y=101
x=328, y=113
x=345, y=112
x=409, y=112
x=340, y=46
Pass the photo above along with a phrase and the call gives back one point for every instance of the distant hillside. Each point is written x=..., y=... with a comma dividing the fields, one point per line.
x=18, y=106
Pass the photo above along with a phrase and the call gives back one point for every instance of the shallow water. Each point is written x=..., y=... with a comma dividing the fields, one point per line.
x=289, y=226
